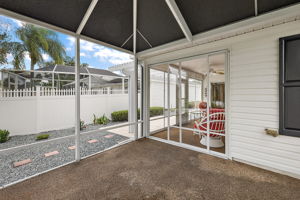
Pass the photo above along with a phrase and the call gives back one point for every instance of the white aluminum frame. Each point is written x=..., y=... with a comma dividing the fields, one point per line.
x=180, y=102
x=86, y=16
x=77, y=82
x=77, y=99
x=227, y=154
x=168, y=99
x=180, y=20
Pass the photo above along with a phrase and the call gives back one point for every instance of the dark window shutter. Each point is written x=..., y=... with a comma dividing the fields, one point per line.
x=289, y=86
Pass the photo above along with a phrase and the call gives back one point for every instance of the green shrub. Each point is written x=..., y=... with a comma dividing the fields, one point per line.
x=122, y=115
x=82, y=126
x=191, y=104
x=100, y=120
x=118, y=116
x=4, y=135
x=42, y=137
x=155, y=111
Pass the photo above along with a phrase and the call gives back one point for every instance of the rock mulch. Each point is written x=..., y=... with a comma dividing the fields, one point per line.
x=15, y=163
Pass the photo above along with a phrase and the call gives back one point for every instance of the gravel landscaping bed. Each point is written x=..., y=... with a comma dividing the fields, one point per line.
x=40, y=163
x=18, y=140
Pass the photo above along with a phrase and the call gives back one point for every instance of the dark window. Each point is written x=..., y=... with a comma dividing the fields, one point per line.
x=289, y=86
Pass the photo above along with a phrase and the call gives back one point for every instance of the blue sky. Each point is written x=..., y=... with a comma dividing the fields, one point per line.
x=95, y=55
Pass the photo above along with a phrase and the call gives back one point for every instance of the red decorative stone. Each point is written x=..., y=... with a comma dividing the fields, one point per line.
x=23, y=162
x=51, y=153
x=72, y=147
x=92, y=141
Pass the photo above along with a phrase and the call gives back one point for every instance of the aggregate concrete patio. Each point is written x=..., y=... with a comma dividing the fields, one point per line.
x=148, y=169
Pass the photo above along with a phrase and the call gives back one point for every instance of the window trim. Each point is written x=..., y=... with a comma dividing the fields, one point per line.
x=283, y=84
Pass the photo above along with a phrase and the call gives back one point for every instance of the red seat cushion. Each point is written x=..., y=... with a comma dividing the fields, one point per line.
x=217, y=126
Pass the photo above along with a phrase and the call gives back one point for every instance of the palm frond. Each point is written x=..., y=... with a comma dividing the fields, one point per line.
x=38, y=41
x=18, y=52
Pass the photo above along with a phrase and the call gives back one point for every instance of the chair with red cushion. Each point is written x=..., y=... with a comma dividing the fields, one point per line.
x=216, y=127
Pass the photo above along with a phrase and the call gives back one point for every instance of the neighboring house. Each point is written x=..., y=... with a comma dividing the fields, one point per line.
x=62, y=77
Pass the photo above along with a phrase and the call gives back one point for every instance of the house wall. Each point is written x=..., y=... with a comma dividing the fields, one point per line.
x=253, y=96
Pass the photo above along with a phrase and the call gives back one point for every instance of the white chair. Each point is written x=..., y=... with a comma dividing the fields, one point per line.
x=216, y=129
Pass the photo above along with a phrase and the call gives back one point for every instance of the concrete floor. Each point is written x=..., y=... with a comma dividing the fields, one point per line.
x=149, y=169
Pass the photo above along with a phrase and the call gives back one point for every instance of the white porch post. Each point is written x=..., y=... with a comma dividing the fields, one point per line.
x=146, y=100
x=77, y=99
x=133, y=80
x=123, y=86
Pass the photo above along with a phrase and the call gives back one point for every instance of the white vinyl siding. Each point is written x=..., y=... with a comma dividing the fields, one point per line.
x=254, y=100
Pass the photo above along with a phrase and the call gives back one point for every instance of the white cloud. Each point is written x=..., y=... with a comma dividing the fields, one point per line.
x=89, y=46
x=9, y=57
x=83, y=54
x=46, y=57
x=113, y=56
x=104, y=54
x=5, y=26
x=27, y=56
x=19, y=23
x=68, y=49
x=71, y=39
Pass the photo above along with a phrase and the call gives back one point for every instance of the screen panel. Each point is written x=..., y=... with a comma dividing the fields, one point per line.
x=203, y=15
x=269, y=5
x=63, y=13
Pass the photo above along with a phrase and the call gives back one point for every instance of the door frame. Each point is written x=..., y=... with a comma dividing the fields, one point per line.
x=227, y=154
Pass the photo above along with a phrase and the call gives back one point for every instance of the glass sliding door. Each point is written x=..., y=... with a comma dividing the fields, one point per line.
x=194, y=102
x=158, y=117
x=216, y=136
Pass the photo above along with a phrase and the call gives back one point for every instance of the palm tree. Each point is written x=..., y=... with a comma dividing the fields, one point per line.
x=68, y=61
x=36, y=41
x=15, y=48
x=4, y=48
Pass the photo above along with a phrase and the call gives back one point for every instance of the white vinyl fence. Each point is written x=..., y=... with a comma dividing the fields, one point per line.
x=32, y=111
x=37, y=110
x=40, y=91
